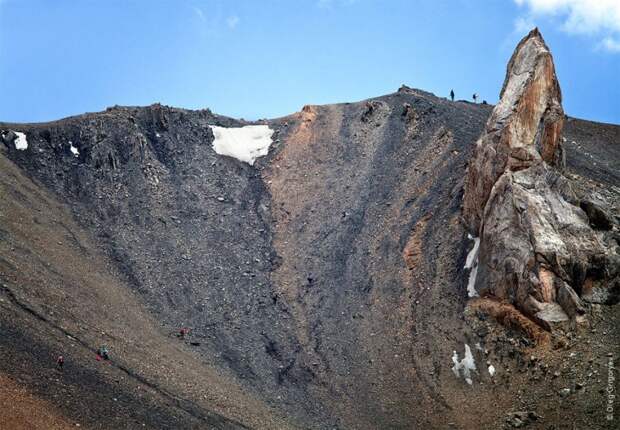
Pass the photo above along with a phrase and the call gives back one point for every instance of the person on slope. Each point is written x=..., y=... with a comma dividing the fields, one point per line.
x=452, y=95
x=60, y=362
x=475, y=97
x=103, y=353
x=184, y=332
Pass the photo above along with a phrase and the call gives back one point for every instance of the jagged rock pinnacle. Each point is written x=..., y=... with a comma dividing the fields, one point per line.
x=537, y=250
x=524, y=128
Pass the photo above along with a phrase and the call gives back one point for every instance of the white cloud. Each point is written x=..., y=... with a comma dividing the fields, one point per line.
x=232, y=21
x=596, y=18
x=200, y=13
x=524, y=24
x=610, y=44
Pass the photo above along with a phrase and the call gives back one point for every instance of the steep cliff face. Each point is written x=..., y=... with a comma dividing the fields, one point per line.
x=542, y=247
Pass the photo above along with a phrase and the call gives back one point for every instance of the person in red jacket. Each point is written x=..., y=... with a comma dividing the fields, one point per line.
x=60, y=362
x=183, y=332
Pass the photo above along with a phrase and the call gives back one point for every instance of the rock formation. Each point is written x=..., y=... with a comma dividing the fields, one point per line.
x=539, y=250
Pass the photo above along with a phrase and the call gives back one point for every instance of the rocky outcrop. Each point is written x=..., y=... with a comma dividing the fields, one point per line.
x=524, y=128
x=539, y=244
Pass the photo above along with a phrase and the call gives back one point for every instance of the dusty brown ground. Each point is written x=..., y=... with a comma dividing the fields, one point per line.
x=367, y=216
x=23, y=411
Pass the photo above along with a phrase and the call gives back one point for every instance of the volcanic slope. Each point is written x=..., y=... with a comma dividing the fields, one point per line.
x=325, y=285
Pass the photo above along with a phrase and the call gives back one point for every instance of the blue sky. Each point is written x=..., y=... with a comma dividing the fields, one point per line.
x=256, y=59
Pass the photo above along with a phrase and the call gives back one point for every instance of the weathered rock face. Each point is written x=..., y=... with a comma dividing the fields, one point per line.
x=538, y=247
x=524, y=128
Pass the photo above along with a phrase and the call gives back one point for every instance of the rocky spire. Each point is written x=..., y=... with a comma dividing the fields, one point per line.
x=537, y=250
x=524, y=128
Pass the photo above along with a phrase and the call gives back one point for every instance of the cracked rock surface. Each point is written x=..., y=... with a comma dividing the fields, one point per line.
x=543, y=248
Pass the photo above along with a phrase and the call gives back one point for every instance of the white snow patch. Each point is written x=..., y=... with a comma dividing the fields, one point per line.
x=21, y=143
x=466, y=365
x=243, y=143
x=74, y=150
x=472, y=263
x=471, y=284
x=473, y=254
x=491, y=370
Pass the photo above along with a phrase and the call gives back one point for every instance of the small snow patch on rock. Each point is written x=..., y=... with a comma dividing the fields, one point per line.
x=473, y=254
x=491, y=370
x=74, y=150
x=20, y=142
x=243, y=143
x=465, y=366
x=472, y=263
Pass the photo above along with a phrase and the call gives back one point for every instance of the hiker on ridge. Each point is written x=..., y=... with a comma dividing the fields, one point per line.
x=452, y=95
x=475, y=97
